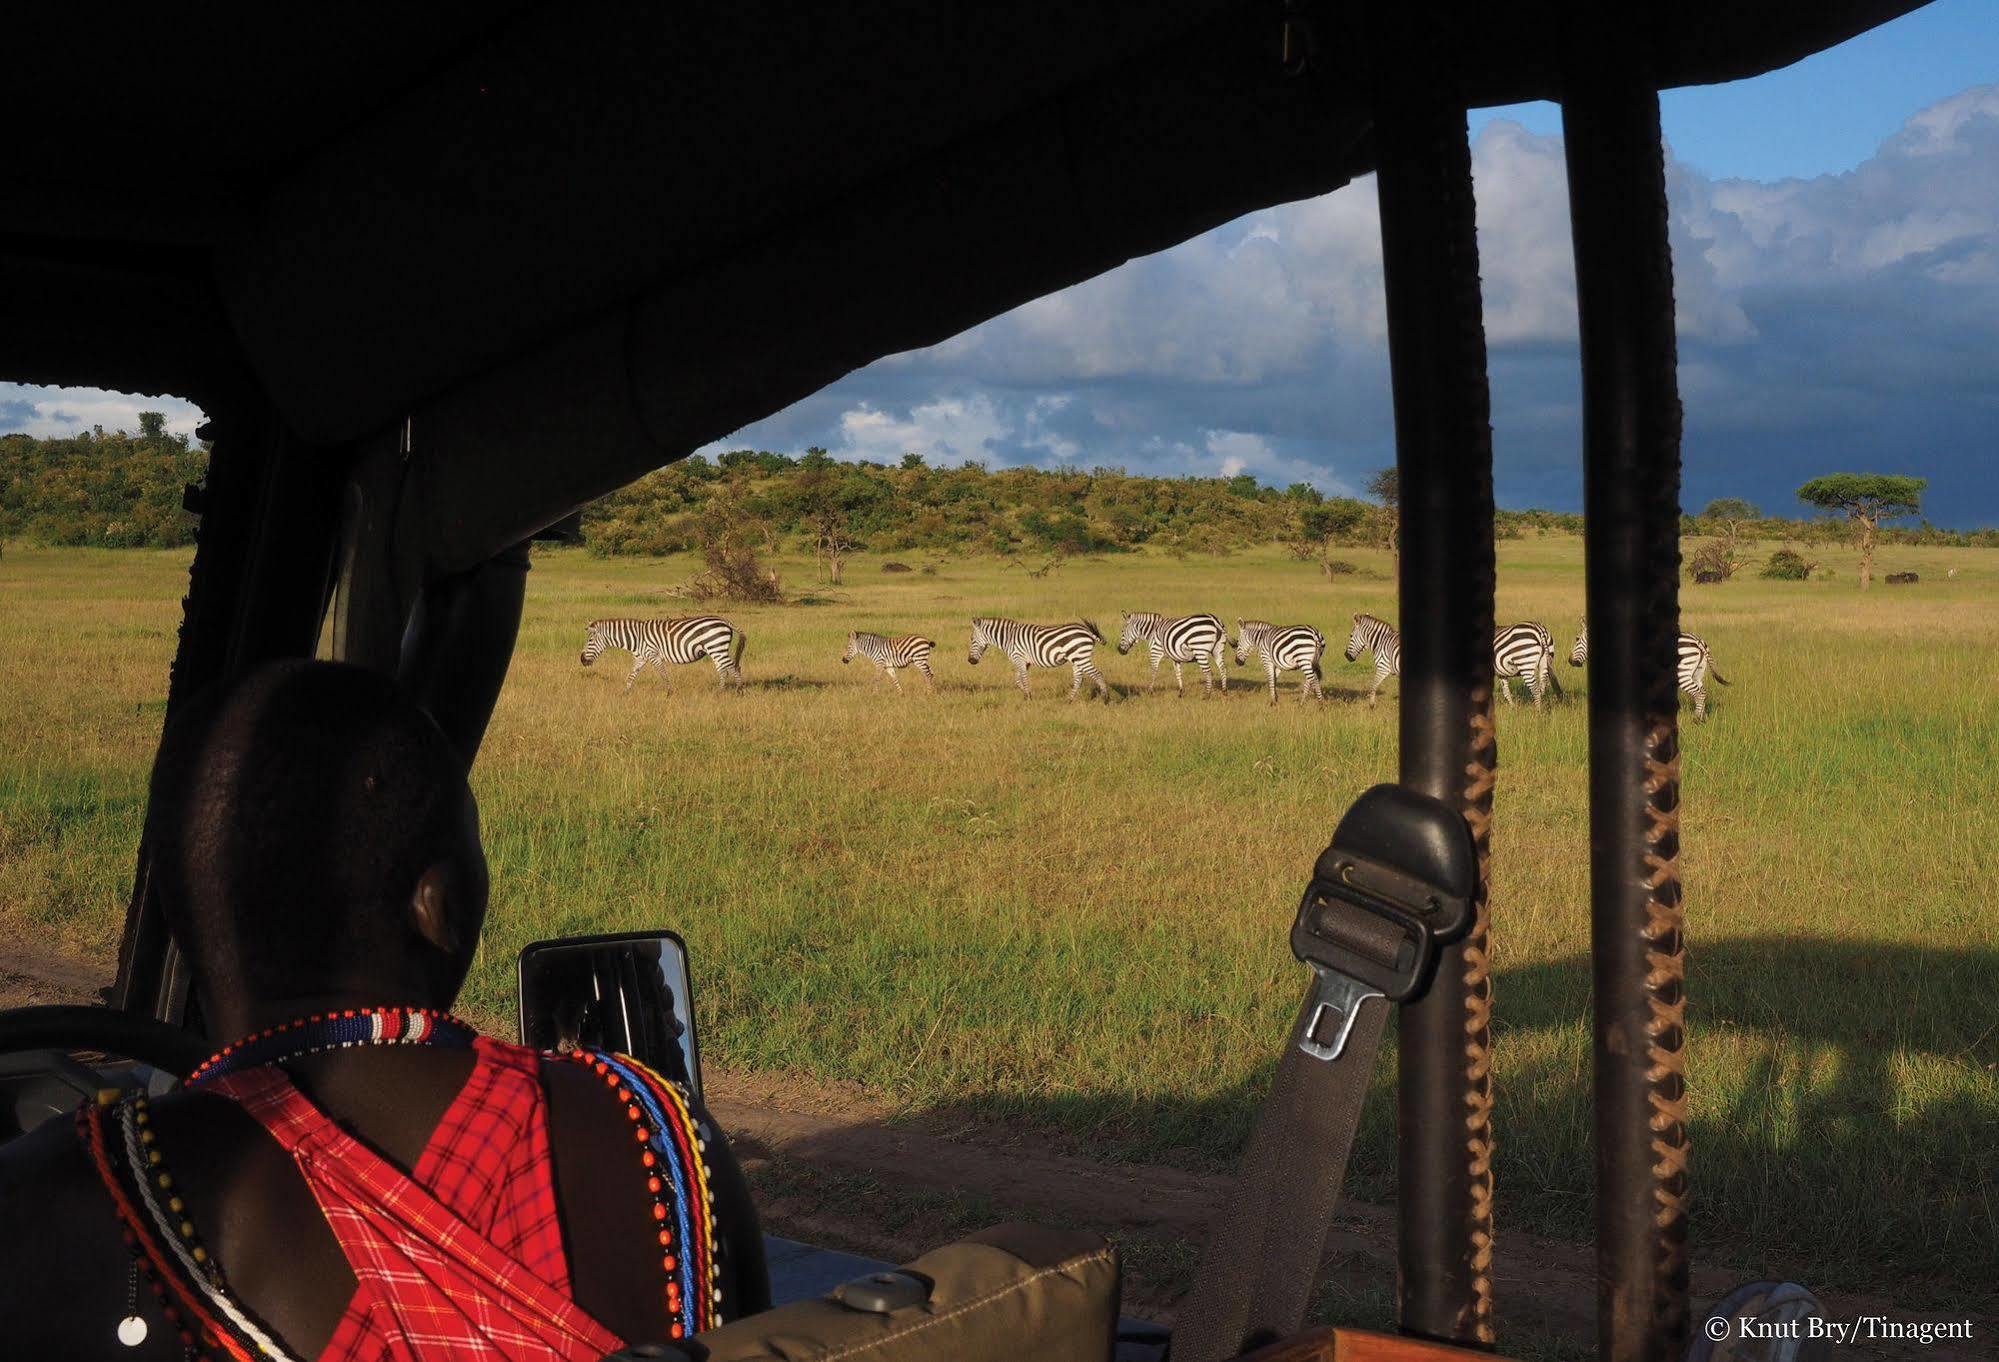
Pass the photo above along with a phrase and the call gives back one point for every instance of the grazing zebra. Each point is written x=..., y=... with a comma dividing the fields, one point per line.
x=1042, y=645
x=1379, y=635
x=889, y=653
x=1526, y=651
x=1291, y=647
x=1189, y=638
x=1696, y=660
x=659, y=642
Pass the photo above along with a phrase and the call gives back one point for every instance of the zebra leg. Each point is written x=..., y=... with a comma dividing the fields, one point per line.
x=1506, y=692
x=1537, y=686
x=928, y=675
x=1699, y=692
x=1270, y=670
x=1020, y=679
x=1090, y=669
x=638, y=665
x=1179, y=681
x=891, y=676
x=1311, y=686
x=1076, y=678
x=1222, y=663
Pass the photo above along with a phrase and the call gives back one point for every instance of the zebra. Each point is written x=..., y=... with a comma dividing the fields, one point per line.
x=1292, y=647
x=909, y=650
x=1379, y=635
x=682, y=640
x=1695, y=662
x=1526, y=651
x=1043, y=645
x=1189, y=638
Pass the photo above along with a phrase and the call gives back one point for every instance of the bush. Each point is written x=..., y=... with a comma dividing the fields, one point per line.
x=1339, y=567
x=1788, y=565
x=1712, y=562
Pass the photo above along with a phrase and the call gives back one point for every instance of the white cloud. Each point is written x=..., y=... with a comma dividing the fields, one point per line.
x=45, y=412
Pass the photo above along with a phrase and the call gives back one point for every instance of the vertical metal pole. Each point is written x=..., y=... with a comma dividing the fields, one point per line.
x=1443, y=439
x=1631, y=494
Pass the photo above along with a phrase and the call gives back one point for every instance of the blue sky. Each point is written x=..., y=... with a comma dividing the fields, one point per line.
x=1836, y=244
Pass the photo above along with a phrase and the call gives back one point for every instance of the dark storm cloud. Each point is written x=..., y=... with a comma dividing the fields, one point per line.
x=1846, y=321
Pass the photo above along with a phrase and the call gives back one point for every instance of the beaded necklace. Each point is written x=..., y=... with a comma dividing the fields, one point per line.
x=166, y=1251
x=337, y=1031
x=671, y=1146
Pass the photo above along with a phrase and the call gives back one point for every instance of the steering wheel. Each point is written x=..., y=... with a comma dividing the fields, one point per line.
x=169, y=1049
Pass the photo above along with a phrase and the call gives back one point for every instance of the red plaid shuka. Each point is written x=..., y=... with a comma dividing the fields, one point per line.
x=463, y=1259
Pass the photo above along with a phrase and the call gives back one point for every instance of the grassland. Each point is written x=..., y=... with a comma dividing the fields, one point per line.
x=1071, y=917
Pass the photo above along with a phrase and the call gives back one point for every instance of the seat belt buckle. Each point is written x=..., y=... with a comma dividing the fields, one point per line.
x=1396, y=884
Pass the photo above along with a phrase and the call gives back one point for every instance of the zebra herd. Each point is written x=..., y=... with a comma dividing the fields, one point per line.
x=1522, y=652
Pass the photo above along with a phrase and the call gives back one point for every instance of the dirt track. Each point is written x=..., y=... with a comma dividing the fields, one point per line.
x=833, y=1165
x=1545, y=1287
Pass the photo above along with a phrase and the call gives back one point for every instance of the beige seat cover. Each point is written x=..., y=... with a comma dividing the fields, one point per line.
x=1008, y=1292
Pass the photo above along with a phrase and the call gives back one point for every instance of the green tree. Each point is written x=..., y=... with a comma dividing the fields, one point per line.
x=1729, y=513
x=1865, y=500
x=913, y=461
x=1322, y=526
x=1385, y=486
x=152, y=425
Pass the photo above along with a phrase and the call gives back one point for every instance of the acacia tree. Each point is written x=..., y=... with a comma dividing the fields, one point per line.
x=1320, y=527
x=1730, y=512
x=1386, y=487
x=831, y=542
x=1865, y=499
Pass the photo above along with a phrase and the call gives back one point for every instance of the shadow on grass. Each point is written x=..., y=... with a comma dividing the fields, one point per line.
x=787, y=682
x=1844, y=1135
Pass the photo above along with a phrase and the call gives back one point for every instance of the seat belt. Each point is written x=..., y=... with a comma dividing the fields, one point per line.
x=1396, y=883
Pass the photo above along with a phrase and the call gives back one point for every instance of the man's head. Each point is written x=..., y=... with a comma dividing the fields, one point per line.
x=313, y=835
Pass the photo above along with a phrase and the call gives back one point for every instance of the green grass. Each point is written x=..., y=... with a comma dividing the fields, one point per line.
x=1072, y=917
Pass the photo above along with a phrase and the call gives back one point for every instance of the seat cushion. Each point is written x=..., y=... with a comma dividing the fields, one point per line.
x=1007, y=1292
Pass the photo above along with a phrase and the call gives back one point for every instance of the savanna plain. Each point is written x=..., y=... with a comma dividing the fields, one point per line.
x=1068, y=919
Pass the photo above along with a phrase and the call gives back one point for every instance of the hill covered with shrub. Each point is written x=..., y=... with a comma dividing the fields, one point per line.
x=118, y=489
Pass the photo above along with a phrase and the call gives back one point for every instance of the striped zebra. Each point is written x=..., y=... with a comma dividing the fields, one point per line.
x=1525, y=651
x=1042, y=645
x=1380, y=636
x=687, y=639
x=1187, y=638
x=1696, y=660
x=1291, y=647
x=908, y=650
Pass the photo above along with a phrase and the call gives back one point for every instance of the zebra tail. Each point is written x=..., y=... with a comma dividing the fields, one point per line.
x=737, y=647
x=1548, y=669
x=1715, y=672
x=1091, y=625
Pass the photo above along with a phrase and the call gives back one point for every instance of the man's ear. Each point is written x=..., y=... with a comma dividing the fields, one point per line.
x=430, y=907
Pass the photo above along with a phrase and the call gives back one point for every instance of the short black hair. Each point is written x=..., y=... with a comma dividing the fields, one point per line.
x=291, y=814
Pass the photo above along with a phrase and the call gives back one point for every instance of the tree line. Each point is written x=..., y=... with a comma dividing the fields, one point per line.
x=122, y=489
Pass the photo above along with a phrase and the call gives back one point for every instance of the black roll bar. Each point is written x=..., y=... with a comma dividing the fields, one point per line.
x=1443, y=436
x=1631, y=496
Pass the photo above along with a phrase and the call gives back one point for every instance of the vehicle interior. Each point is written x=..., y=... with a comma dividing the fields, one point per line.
x=441, y=275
